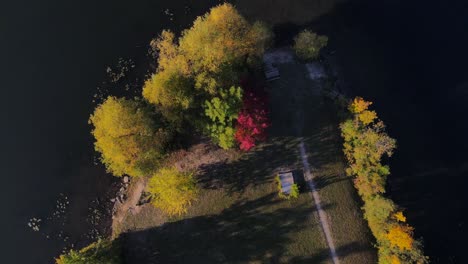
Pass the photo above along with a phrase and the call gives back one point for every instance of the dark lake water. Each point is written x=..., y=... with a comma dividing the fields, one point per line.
x=409, y=57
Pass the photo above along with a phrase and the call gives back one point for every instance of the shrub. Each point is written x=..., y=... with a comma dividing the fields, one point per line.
x=294, y=190
x=128, y=137
x=172, y=191
x=307, y=45
x=100, y=252
x=222, y=111
x=252, y=121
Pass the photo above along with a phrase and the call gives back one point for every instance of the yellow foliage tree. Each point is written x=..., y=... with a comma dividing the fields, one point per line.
x=395, y=260
x=173, y=94
x=365, y=143
x=358, y=105
x=169, y=57
x=220, y=37
x=172, y=191
x=367, y=117
x=401, y=236
x=129, y=140
x=399, y=216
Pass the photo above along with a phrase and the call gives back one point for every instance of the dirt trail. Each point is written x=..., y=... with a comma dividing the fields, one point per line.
x=130, y=204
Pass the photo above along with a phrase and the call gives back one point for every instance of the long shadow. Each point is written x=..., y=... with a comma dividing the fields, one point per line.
x=343, y=251
x=253, y=168
x=324, y=144
x=247, y=231
x=324, y=181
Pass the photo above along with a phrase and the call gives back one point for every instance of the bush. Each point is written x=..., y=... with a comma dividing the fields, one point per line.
x=172, y=191
x=100, y=252
x=252, y=121
x=307, y=45
x=294, y=190
x=222, y=112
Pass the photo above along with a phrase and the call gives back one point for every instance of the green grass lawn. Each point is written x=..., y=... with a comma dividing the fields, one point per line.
x=350, y=232
x=316, y=120
x=238, y=217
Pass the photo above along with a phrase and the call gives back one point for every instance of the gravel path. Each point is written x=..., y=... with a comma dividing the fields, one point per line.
x=321, y=213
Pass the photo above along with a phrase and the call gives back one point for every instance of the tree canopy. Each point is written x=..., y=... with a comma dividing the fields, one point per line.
x=128, y=138
x=205, y=61
x=220, y=37
x=308, y=44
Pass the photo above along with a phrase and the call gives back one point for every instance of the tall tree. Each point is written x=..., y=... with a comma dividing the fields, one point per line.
x=128, y=138
x=220, y=37
x=172, y=92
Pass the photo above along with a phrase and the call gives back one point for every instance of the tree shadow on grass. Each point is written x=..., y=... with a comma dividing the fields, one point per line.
x=324, y=153
x=343, y=251
x=253, y=168
x=247, y=231
x=324, y=181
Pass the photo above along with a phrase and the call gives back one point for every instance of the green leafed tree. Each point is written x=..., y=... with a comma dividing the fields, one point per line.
x=221, y=112
x=308, y=44
x=128, y=137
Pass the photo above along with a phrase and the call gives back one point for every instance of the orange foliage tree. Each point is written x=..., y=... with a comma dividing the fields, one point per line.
x=401, y=237
x=365, y=144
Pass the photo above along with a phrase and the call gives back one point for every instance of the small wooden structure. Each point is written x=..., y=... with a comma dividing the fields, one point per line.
x=272, y=59
x=271, y=72
x=287, y=181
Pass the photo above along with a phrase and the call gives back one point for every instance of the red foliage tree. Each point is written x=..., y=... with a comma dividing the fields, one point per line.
x=252, y=120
